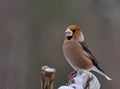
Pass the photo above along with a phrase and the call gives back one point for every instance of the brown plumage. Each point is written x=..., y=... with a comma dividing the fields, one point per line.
x=71, y=49
x=76, y=52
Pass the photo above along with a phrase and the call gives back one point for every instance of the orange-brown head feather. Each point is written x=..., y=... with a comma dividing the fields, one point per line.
x=73, y=27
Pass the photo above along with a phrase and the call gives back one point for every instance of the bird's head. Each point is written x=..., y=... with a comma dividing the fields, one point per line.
x=73, y=32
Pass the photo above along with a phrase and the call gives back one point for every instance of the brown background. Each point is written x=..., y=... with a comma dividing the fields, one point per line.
x=32, y=32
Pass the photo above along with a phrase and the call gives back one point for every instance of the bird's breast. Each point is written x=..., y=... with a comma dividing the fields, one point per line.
x=75, y=56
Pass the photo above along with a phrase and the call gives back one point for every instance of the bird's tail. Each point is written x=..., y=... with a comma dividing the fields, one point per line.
x=95, y=69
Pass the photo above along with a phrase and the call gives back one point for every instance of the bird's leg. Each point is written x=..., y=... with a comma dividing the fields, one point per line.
x=72, y=75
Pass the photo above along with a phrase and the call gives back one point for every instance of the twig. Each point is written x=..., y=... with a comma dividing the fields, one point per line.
x=47, y=77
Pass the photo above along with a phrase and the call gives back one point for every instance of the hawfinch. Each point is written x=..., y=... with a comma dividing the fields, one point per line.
x=77, y=53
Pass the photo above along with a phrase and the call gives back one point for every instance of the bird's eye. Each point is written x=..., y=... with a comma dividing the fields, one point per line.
x=73, y=31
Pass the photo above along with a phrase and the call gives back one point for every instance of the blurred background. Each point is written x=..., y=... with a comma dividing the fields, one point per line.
x=32, y=33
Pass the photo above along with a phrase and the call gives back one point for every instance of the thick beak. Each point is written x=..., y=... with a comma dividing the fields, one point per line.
x=68, y=32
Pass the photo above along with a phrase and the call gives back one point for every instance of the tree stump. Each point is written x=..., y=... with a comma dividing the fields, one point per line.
x=47, y=77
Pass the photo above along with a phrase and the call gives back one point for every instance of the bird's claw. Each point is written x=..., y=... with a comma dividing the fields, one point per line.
x=72, y=75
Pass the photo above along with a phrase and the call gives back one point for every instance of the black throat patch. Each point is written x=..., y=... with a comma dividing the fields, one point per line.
x=69, y=37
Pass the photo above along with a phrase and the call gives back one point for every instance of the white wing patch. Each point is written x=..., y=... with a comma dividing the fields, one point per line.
x=81, y=38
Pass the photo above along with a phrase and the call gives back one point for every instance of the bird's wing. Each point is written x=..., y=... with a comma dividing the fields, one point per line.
x=91, y=56
x=85, y=48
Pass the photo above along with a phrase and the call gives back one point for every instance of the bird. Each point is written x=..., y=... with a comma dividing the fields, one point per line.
x=77, y=54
